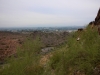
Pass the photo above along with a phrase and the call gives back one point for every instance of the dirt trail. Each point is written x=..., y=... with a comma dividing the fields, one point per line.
x=44, y=59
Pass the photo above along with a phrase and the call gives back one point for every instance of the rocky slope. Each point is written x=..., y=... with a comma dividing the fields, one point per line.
x=9, y=41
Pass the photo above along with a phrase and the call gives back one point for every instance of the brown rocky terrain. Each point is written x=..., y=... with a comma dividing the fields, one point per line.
x=50, y=39
x=9, y=41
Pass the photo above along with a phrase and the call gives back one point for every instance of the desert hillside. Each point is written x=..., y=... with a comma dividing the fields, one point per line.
x=77, y=53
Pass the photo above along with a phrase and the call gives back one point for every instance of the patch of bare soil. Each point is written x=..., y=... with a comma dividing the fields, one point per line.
x=44, y=59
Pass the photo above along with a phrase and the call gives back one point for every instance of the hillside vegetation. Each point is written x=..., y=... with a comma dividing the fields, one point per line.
x=78, y=57
x=71, y=58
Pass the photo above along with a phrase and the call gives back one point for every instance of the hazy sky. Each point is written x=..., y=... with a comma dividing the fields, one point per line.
x=34, y=13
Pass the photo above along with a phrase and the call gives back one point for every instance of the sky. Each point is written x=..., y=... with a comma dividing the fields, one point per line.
x=47, y=13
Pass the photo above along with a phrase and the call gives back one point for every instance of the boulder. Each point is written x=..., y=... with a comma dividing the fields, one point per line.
x=80, y=29
x=91, y=23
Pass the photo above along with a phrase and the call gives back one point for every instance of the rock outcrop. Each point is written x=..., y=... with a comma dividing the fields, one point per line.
x=97, y=19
